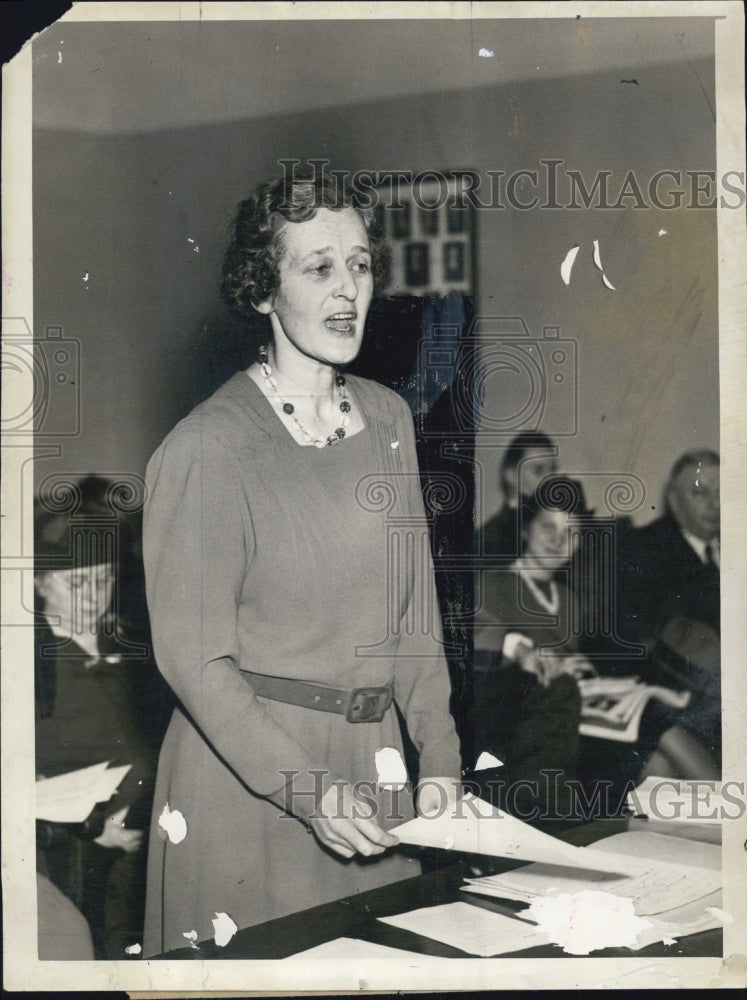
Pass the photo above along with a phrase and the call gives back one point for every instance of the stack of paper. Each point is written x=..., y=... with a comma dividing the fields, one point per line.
x=701, y=915
x=612, y=707
x=677, y=899
x=656, y=884
x=69, y=798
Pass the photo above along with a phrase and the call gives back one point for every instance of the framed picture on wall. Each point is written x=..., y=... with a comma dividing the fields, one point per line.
x=429, y=223
x=453, y=261
x=416, y=265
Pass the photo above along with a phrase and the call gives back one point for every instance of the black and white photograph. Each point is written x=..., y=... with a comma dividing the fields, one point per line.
x=373, y=446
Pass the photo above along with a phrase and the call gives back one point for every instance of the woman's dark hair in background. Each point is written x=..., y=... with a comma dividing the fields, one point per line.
x=555, y=493
x=520, y=445
x=251, y=267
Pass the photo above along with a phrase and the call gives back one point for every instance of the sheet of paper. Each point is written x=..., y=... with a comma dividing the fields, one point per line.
x=473, y=826
x=69, y=798
x=658, y=884
x=470, y=928
x=345, y=948
x=660, y=847
x=692, y=918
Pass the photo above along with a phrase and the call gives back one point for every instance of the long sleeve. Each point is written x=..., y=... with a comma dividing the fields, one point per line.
x=422, y=685
x=198, y=545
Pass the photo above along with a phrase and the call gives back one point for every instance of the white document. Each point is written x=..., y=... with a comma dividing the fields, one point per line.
x=69, y=798
x=658, y=883
x=470, y=928
x=473, y=826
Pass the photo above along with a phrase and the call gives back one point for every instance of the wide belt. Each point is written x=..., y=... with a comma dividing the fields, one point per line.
x=363, y=704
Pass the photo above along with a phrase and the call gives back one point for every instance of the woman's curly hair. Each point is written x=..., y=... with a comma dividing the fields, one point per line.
x=251, y=267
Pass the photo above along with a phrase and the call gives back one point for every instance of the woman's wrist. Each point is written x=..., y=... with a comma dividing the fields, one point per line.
x=434, y=795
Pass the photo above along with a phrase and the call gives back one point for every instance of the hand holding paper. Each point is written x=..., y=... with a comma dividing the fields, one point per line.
x=69, y=798
x=346, y=824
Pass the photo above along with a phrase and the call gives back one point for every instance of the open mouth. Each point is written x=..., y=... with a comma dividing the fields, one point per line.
x=342, y=322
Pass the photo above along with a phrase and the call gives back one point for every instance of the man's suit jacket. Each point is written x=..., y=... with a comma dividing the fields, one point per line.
x=660, y=577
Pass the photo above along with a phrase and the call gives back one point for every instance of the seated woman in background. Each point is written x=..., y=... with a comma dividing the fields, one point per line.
x=527, y=706
x=88, y=682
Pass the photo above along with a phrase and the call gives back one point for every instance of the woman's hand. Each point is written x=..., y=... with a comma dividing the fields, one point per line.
x=435, y=795
x=578, y=666
x=548, y=666
x=346, y=826
x=545, y=667
x=116, y=835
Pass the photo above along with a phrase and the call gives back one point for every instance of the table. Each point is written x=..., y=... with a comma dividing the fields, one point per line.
x=356, y=916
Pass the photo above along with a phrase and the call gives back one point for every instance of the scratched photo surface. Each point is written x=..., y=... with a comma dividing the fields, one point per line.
x=551, y=317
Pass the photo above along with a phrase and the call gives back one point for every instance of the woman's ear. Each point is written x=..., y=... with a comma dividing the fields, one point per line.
x=265, y=307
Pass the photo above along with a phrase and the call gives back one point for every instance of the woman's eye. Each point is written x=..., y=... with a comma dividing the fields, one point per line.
x=320, y=269
x=361, y=267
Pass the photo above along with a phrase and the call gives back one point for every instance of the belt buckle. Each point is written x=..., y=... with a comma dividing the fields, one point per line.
x=368, y=704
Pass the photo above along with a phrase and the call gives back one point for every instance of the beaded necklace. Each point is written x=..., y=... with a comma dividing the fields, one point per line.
x=289, y=409
x=548, y=601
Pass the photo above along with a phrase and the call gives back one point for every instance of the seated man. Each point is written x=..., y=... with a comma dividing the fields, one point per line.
x=529, y=458
x=668, y=590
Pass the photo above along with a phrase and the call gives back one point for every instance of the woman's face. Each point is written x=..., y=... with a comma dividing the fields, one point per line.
x=326, y=285
x=548, y=541
x=77, y=597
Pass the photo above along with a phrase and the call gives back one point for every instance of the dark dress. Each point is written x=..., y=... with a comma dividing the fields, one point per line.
x=266, y=556
x=534, y=729
x=88, y=711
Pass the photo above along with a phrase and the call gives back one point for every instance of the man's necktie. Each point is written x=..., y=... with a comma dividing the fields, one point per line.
x=713, y=555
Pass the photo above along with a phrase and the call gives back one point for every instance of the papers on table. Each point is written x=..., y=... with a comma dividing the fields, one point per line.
x=670, y=898
x=470, y=928
x=674, y=885
x=473, y=826
x=691, y=801
x=657, y=883
x=69, y=798
x=683, y=920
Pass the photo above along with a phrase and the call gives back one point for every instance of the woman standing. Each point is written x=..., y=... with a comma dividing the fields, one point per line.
x=285, y=601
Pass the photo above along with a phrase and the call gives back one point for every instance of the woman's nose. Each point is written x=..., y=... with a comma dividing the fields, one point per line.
x=558, y=541
x=348, y=286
